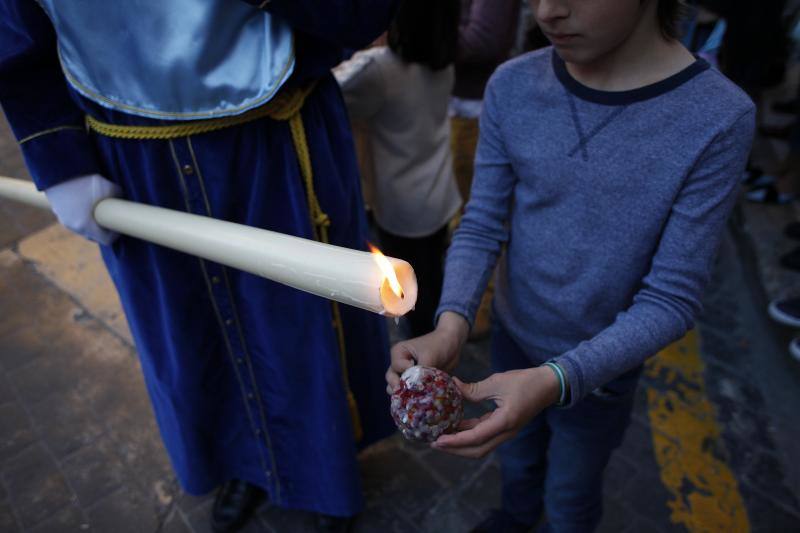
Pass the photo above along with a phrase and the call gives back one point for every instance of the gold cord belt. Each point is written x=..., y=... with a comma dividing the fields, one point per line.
x=286, y=106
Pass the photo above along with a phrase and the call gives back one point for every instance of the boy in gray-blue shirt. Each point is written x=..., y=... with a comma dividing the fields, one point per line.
x=607, y=166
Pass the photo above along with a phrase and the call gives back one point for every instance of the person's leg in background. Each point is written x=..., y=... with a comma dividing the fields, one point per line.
x=426, y=255
x=786, y=310
x=463, y=143
x=783, y=186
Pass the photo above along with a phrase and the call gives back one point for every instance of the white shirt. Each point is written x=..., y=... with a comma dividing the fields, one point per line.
x=405, y=107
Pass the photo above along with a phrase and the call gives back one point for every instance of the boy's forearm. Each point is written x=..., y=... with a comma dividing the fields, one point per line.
x=636, y=335
x=455, y=325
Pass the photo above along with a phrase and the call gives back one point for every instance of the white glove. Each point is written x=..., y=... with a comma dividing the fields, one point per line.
x=73, y=203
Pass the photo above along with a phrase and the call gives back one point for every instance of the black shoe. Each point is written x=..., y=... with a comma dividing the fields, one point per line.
x=499, y=521
x=791, y=260
x=786, y=311
x=776, y=132
x=234, y=505
x=792, y=230
x=788, y=107
x=334, y=524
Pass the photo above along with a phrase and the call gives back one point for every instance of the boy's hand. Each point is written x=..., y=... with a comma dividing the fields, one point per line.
x=520, y=395
x=439, y=348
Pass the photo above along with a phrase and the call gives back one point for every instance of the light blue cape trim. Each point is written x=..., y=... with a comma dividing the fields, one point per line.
x=174, y=60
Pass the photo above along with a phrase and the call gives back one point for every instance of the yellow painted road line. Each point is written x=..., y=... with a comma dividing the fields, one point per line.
x=705, y=493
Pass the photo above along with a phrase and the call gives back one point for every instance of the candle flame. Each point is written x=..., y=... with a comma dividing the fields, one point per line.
x=388, y=271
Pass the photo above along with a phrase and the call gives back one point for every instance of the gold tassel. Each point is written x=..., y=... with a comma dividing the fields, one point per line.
x=319, y=226
x=358, y=430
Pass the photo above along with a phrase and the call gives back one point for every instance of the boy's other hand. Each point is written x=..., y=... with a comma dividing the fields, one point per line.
x=519, y=395
x=439, y=349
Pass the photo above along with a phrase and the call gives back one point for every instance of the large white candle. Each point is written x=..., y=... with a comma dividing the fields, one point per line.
x=348, y=276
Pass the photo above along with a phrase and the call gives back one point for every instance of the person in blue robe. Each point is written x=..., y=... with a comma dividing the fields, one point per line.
x=246, y=376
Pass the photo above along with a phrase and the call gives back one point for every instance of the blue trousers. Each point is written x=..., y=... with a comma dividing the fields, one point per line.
x=554, y=465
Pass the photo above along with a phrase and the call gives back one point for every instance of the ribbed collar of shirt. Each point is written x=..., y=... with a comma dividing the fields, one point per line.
x=625, y=97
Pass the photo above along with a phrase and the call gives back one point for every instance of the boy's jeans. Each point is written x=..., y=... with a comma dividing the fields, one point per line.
x=555, y=464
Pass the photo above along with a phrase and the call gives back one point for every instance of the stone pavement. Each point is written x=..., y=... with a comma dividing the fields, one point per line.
x=711, y=446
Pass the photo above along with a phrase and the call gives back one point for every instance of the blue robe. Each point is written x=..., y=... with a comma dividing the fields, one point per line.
x=244, y=374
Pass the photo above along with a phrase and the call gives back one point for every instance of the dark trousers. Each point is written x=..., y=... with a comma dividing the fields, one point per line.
x=554, y=465
x=426, y=255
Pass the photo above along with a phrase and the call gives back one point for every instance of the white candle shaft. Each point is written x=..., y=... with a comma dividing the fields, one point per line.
x=348, y=276
x=22, y=191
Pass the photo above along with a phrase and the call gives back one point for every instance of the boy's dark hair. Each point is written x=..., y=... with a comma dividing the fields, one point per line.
x=426, y=32
x=670, y=13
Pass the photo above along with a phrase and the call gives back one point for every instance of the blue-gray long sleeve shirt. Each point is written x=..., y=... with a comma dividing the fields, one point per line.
x=610, y=206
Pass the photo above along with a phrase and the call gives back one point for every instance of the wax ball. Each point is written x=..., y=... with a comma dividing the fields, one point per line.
x=426, y=404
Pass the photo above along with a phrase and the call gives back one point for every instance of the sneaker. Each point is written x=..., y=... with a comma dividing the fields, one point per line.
x=786, y=311
x=756, y=179
x=769, y=195
x=499, y=521
x=794, y=349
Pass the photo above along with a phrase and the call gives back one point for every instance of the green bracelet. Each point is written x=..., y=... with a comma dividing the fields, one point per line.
x=562, y=382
